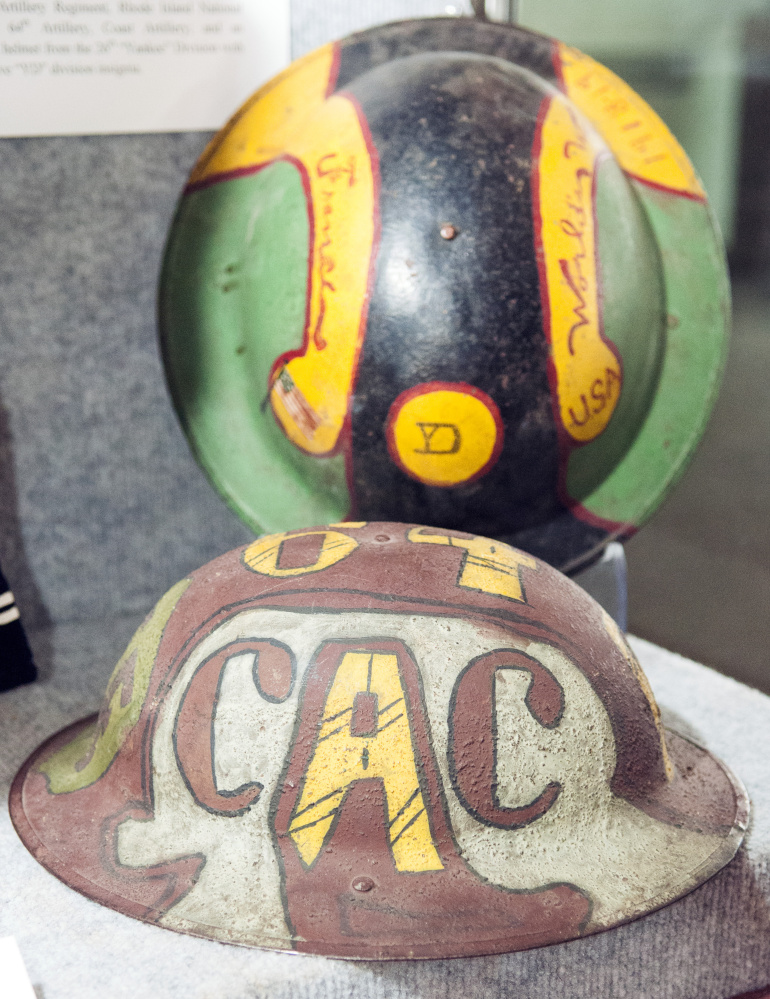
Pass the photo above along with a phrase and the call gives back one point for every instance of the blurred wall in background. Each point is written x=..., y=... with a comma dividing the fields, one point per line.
x=699, y=572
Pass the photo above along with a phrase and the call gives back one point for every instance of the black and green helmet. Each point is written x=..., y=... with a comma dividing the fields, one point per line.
x=450, y=272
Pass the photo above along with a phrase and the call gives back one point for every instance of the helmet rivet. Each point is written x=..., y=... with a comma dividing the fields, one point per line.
x=363, y=884
x=382, y=537
x=448, y=231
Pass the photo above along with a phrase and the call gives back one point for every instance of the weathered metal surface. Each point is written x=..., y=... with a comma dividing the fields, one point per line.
x=379, y=741
x=541, y=376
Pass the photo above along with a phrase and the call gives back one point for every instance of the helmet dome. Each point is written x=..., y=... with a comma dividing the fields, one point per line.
x=378, y=741
x=450, y=272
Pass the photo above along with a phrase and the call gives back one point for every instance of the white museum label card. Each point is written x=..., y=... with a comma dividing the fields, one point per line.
x=13, y=975
x=75, y=67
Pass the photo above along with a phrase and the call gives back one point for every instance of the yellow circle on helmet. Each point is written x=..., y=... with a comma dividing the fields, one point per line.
x=444, y=433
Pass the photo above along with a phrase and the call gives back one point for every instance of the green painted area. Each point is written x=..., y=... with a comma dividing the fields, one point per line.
x=232, y=299
x=634, y=320
x=697, y=301
x=129, y=683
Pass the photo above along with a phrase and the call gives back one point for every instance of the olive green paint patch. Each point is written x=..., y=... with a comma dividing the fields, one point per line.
x=83, y=761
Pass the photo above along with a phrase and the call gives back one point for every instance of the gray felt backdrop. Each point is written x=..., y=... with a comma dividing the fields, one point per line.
x=101, y=504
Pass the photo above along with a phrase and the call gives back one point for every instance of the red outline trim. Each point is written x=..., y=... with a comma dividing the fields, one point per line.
x=244, y=171
x=576, y=508
x=345, y=438
x=287, y=355
x=565, y=442
x=557, y=65
x=564, y=456
x=218, y=139
x=619, y=529
x=598, y=161
x=247, y=171
x=537, y=220
x=426, y=388
x=344, y=442
x=218, y=178
x=701, y=198
x=334, y=71
x=559, y=71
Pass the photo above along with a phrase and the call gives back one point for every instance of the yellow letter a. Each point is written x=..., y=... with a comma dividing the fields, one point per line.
x=365, y=732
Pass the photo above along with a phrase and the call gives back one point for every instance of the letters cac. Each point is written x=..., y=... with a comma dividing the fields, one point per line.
x=375, y=740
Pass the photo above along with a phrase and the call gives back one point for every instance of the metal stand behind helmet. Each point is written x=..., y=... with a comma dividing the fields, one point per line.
x=452, y=272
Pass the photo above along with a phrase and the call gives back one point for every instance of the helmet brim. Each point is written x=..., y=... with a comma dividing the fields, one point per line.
x=705, y=797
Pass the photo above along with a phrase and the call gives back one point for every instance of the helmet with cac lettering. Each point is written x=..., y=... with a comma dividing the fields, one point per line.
x=450, y=272
x=379, y=741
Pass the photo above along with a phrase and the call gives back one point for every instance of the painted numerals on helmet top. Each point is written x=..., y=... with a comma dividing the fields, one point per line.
x=378, y=740
x=489, y=566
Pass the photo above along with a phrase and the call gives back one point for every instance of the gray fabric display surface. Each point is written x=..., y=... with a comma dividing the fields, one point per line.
x=712, y=944
x=102, y=508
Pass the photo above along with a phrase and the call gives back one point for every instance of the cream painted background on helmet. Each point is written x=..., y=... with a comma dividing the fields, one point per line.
x=621, y=857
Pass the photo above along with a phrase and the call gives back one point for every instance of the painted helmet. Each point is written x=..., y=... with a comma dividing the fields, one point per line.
x=379, y=741
x=451, y=272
